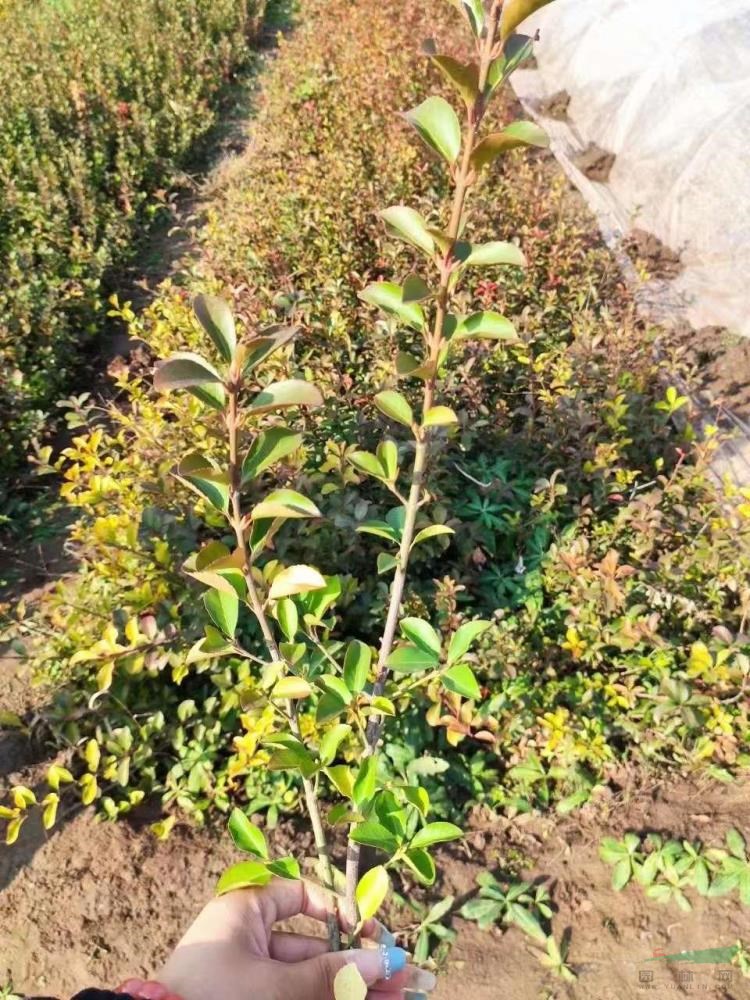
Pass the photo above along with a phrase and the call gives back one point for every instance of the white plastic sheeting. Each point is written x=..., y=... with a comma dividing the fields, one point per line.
x=665, y=86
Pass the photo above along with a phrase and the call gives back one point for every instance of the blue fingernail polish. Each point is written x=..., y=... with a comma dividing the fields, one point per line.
x=396, y=960
x=386, y=938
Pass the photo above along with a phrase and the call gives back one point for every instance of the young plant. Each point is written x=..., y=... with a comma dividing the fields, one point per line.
x=305, y=675
x=528, y=907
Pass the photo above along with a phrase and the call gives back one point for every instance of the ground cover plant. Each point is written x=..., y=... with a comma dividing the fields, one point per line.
x=103, y=103
x=586, y=525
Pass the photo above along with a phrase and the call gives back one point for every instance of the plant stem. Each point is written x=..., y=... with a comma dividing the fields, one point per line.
x=463, y=181
x=235, y=520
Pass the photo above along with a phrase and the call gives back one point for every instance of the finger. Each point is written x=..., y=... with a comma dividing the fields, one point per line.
x=296, y=947
x=373, y=930
x=284, y=898
x=383, y=969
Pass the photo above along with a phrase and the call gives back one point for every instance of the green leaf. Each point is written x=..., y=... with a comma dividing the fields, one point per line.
x=269, y=447
x=422, y=865
x=287, y=868
x=485, y=254
x=528, y=923
x=393, y=405
x=357, y=665
x=215, y=566
x=335, y=685
x=243, y=876
x=224, y=610
x=282, y=395
x=365, y=461
x=342, y=779
x=387, y=453
x=330, y=706
x=736, y=843
x=463, y=637
x=272, y=339
x=204, y=477
x=416, y=289
x=461, y=680
x=418, y=797
x=184, y=370
x=210, y=395
x=432, y=531
x=292, y=687
x=439, y=416
x=246, y=835
x=389, y=296
x=473, y=11
x=371, y=891
x=386, y=562
x=366, y=781
x=411, y=659
x=438, y=127
x=375, y=835
x=516, y=11
x=288, y=617
x=380, y=528
x=435, y=833
x=517, y=49
x=463, y=76
x=520, y=133
x=485, y=326
x=408, y=224
x=621, y=874
x=331, y=741
x=422, y=634
x=215, y=316
x=284, y=503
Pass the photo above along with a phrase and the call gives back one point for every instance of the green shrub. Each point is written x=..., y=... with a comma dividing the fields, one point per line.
x=102, y=103
x=587, y=525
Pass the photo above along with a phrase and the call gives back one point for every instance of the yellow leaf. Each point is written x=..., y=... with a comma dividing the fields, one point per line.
x=89, y=788
x=93, y=755
x=349, y=984
x=291, y=687
x=22, y=796
x=371, y=891
x=296, y=580
x=162, y=829
x=132, y=633
x=104, y=675
x=56, y=775
x=6, y=813
x=50, y=803
x=109, y=635
x=700, y=659
x=13, y=829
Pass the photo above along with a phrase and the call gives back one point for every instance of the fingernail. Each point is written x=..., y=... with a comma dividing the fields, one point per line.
x=394, y=960
x=420, y=982
x=385, y=937
x=411, y=995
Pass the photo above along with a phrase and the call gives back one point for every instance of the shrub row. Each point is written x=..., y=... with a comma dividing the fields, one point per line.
x=102, y=103
x=587, y=526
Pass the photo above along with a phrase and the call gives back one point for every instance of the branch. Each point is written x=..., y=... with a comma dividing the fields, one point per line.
x=463, y=181
x=236, y=522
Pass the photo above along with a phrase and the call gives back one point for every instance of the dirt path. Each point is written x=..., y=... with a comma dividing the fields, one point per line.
x=97, y=901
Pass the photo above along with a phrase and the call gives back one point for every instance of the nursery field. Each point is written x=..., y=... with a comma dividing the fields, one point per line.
x=591, y=733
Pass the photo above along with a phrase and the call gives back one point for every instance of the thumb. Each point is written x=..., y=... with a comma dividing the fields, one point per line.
x=314, y=979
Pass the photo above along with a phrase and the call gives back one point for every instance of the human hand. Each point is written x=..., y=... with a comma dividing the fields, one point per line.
x=232, y=952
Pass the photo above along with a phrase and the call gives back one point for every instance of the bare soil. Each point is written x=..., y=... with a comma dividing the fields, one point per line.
x=595, y=163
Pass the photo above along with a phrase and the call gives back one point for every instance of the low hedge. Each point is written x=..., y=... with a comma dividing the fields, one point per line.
x=102, y=102
x=588, y=525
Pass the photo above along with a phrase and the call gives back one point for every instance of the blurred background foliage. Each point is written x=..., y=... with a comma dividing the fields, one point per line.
x=102, y=105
